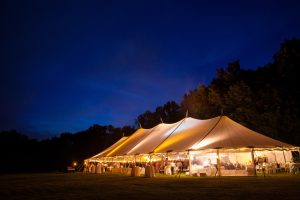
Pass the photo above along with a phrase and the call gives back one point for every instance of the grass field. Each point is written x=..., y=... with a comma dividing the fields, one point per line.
x=108, y=186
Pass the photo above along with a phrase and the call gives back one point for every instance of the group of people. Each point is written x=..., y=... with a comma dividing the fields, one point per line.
x=174, y=167
x=94, y=167
x=168, y=167
x=264, y=166
x=231, y=166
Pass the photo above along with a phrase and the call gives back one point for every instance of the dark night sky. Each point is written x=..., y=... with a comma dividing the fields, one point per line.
x=66, y=65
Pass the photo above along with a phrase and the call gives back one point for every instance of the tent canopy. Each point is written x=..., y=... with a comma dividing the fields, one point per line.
x=130, y=143
x=154, y=139
x=107, y=150
x=191, y=134
x=187, y=134
x=229, y=134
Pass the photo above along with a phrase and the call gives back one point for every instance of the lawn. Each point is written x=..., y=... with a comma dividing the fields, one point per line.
x=107, y=186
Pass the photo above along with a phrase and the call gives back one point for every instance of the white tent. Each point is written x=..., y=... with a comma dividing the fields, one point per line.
x=107, y=150
x=158, y=135
x=218, y=132
x=130, y=143
x=229, y=134
x=216, y=141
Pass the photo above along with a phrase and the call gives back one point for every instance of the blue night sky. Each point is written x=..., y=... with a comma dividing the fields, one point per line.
x=66, y=65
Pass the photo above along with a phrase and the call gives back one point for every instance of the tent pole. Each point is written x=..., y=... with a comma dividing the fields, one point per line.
x=190, y=163
x=284, y=156
x=167, y=158
x=285, y=166
x=254, y=166
x=152, y=169
x=219, y=162
x=275, y=157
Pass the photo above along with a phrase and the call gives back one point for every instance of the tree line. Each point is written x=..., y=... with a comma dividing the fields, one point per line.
x=265, y=99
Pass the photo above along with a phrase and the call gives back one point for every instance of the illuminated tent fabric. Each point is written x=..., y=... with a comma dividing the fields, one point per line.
x=218, y=132
x=130, y=143
x=157, y=136
x=110, y=148
x=191, y=134
x=229, y=134
x=141, y=141
x=186, y=135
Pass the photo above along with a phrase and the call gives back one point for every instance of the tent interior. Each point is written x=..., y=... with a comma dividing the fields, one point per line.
x=211, y=147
